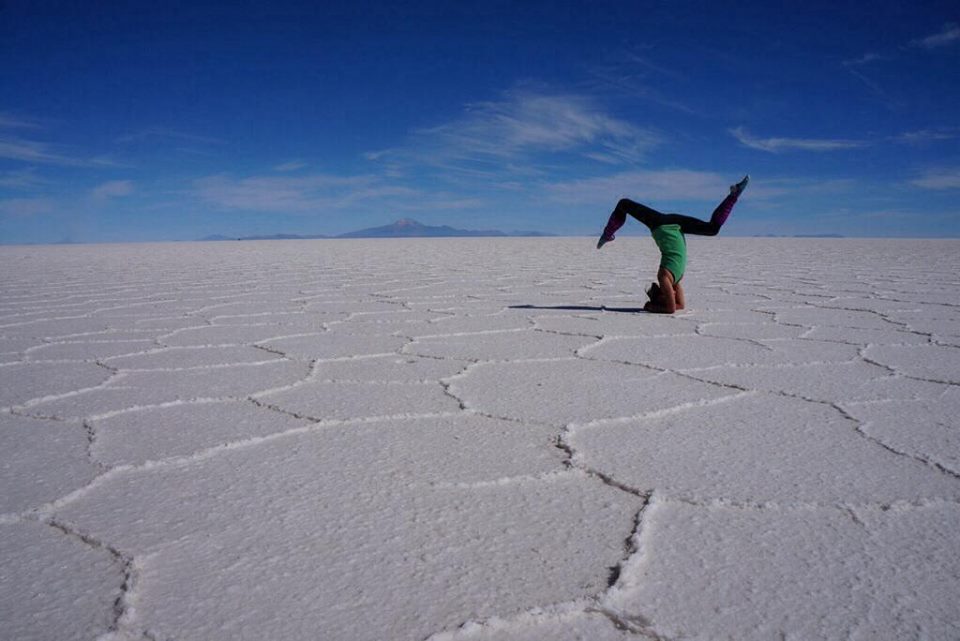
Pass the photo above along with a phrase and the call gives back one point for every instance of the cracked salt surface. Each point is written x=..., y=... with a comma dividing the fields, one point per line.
x=807, y=572
x=54, y=586
x=479, y=439
x=41, y=461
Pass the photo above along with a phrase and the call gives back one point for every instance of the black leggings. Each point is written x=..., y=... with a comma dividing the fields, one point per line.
x=653, y=219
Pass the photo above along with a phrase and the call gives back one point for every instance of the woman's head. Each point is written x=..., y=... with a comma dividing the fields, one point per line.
x=653, y=293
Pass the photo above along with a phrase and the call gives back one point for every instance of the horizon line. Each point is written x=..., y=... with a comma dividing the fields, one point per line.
x=227, y=240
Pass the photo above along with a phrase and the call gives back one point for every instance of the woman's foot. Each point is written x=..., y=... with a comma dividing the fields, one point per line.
x=604, y=239
x=737, y=189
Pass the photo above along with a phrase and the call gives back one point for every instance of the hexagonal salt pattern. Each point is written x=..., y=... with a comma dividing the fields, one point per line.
x=55, y=586
x=354, y=524
x=480, y=439
x=42, y=461
x=808, y=572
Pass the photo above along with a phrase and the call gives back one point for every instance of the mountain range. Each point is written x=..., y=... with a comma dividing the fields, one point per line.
x=403, y=228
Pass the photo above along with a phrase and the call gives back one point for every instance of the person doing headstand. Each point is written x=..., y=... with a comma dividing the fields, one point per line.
x=666, y=295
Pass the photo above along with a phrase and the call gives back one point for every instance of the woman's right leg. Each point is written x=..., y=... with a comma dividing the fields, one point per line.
x=690, y=225
x=722, y=212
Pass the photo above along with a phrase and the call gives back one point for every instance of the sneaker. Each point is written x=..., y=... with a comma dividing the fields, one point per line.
x=604, y=239
x=737, y=189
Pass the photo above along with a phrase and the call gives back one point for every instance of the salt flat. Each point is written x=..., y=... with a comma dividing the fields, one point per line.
x=479, y=439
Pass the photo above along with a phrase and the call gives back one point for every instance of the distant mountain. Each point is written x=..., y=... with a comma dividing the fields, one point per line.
x=283, y=237
x=263, y=237
x=407, y=228
x=818, y=235
x=403, y=228
x=526, y=233
x=800, y=236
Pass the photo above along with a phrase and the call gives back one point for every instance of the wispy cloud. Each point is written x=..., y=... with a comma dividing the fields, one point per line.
x=320, y=193
x=791, y=188
x=112, y=189
x=638, y=77
x=875, y=87
x=33, y=151
x=293, y=165
x=21, y=179
x=857, y=68
x=776, y=145
x=865, y=59
x=524, y=128
x=8, y=121
x=26, y=207
x=534, y=123
x=925, y=136
x=154, y=133
x=941, y=178
x=948, y=35
x=16, y=147
x=280, y=194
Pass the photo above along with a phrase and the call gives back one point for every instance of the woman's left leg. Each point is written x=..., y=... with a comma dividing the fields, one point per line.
x=646, y=215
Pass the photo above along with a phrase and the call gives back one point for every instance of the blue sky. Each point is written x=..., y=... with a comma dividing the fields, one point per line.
x=142, y=121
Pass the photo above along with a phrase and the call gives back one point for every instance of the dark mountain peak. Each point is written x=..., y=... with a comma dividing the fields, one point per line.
x=402, y=228
x=409, y=228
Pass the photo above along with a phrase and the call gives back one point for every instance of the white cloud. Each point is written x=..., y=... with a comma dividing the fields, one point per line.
x=293, y=165
x=950, y=34
x=522, y=128
x=776, y=145
x=113, y=189
x=942, y=178
x=924, y=136
x=377, y=155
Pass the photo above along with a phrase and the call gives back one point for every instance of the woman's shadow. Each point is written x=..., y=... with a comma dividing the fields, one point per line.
x=583, y=308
